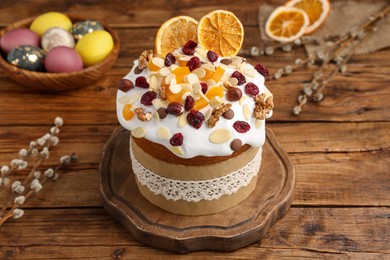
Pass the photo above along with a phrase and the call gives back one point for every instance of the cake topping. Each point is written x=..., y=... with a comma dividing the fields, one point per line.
x=162, y=112
x=141, y=82
x=263, y=106
x=229, y=114
x=148, y=97
x=246, y=111
x=189, y=103
x=233, y=94
x=236, y=144
x=176, y=140
x=181, y=87
x=212, y=56
x=251, y=89
x=241, y=126
x=216, y=113
x=175, y=109
x=138, y=132
x=262, y=70
x=143, y=59
x=169, y=60
x=240, y=78
x=195, y=118
x=220, y=136
x=125, y=85
x=164, y=133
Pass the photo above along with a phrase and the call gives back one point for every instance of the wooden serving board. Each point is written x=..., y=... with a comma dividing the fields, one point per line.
x=234, y=228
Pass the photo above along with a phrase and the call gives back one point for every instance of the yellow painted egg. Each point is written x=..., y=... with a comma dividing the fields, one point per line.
x=95, y=47
x=49, y=20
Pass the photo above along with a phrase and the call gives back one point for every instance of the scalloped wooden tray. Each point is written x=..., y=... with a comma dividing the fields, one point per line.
x=231, y=229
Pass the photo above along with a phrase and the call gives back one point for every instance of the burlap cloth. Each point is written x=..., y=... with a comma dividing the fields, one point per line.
x=344, y=17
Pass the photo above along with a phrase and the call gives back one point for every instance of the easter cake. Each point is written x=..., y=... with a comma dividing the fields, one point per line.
x=196, y=113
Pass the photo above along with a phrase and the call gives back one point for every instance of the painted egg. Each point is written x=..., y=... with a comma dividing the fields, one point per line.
x=17, y=37
x=27, y=57
x=48, y=20
x=95, y=47
x=81, y=28
x=56, y=36
x=63, y=59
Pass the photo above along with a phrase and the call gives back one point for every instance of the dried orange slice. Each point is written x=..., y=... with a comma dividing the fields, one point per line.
x=174, y=33
x=222, y=32
x=317, y=10
x=286, y=24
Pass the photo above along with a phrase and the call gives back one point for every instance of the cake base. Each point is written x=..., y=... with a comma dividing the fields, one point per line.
x=231, y=229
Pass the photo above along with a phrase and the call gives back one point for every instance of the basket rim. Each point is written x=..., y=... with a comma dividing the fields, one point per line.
x=25, y=22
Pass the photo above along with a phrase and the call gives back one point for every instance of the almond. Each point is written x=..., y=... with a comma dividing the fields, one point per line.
x=220, y=136
x=138, y=132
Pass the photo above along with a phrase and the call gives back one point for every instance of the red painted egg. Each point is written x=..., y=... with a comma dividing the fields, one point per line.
x=63, y=59
x=17, y=37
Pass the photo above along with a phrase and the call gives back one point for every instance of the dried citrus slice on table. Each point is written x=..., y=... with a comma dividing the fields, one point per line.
x=174, y=33
x=286, y=24
x=222, y=32
x=316, y=10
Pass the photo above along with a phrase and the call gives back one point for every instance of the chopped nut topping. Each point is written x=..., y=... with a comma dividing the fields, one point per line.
x=217, y=113
x=228, y=84
x=262, y=106
x=163, y=93
x=144, y=58
x=141, y=115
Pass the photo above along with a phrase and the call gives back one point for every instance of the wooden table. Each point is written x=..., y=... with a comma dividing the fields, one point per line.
x=340, y=149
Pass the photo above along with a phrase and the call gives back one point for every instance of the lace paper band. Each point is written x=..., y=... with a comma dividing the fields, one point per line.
x=194, y=191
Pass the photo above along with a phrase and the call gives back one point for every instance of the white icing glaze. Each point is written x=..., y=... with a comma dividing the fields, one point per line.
x=196, y=141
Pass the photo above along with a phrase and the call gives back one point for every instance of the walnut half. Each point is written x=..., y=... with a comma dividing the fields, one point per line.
x=144, y=58
x=263, y=106
x=217, y=113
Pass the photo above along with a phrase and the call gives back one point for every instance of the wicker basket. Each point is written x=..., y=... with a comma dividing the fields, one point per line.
x=59, y=81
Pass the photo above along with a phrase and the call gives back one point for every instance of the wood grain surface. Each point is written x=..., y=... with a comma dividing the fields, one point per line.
x=231, y=229
x=340, y=148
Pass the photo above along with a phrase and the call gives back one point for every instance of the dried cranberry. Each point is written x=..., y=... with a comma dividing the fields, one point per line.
x=195, y=118
x=238, y=75
x=204, y=87
x=191, y=44
x=251, y=89
x=125, y=85
x=212, y=56
x=189, y=103
x=241, y=126
x=148, y=97
x=193, y=63
x=169, y=59
x=189, y=47
x=141, y=82
x=176, y=139
x=188, y=51
x=262, y=70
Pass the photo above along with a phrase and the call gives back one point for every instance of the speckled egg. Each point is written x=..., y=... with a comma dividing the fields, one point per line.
x=48, y=20
x=27, y=57
x=17, y=37
x=56, y=36
x=95, y=47
x=63, y=59
x=81, y=28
